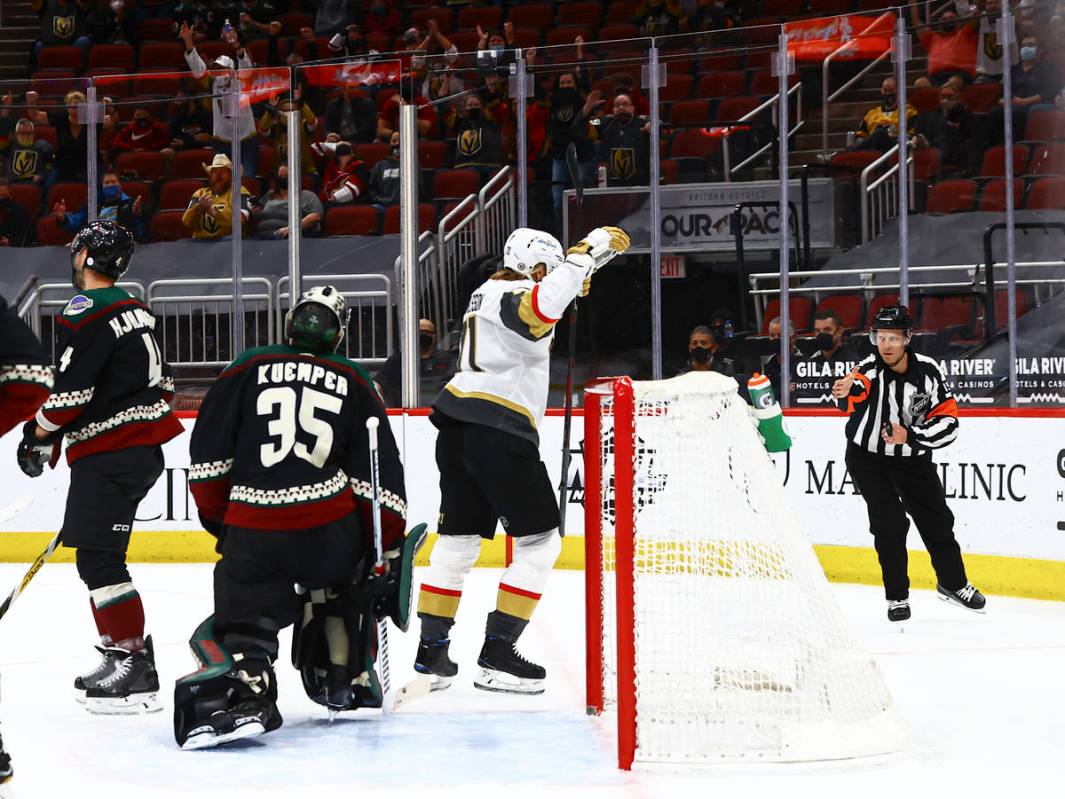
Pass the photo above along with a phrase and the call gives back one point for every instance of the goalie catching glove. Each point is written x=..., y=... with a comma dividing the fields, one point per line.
x=33, y=453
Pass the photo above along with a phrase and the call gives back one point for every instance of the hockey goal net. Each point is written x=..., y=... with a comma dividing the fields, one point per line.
x=711, y=630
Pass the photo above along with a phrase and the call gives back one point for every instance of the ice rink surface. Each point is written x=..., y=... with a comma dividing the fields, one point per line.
x=983, y=696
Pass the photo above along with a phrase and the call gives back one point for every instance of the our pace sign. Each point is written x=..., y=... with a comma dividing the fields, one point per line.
x=1004, y=479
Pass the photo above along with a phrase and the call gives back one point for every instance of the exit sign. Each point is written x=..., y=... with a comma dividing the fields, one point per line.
x=672, y=266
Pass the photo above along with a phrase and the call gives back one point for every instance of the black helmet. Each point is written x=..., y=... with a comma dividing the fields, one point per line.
x=891, y=317
x=110, y=247
x=317, y=321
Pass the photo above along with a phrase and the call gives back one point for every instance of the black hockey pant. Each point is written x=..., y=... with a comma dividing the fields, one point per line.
x=893, y=487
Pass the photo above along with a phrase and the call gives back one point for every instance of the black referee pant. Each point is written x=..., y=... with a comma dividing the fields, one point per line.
x=893, y=487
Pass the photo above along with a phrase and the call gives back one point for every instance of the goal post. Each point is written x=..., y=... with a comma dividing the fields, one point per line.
x=711, y=631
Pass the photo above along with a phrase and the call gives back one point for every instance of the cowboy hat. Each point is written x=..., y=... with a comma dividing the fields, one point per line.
x=220, y=161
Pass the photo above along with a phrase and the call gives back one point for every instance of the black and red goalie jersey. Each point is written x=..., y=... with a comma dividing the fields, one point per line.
x=280, y=443
x=25, y=376
x=112, y=388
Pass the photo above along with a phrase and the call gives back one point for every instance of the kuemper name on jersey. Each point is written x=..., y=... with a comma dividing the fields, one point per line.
x=290, y=372
x=133, y=319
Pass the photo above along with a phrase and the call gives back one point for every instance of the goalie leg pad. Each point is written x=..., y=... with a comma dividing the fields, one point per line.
x=523, y=583
x=231, y=696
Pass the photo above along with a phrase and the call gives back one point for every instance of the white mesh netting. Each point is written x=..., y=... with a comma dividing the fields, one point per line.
x=741, y=652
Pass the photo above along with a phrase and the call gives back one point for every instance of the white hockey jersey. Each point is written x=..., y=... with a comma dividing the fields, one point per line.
x=505, y=352
x=989, y=50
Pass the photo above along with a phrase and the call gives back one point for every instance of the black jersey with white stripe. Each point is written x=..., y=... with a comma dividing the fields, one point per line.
x=917, y=399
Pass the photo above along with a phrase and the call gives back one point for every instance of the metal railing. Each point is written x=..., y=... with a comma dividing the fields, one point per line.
x=456, y=243
x=369, y=331
x=880, y=198
x=35, y=300
x=773, y=104
x=827, y=98
x=196, y=329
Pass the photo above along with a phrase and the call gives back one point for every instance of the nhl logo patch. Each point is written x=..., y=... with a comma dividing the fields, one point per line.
x=79, y=303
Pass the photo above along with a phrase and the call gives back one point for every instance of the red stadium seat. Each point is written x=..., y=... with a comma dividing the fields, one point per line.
x=800, y=309
x=690, y=113
x=848, y=307
x=465, y=41
x=923, y=98
x=432, y=154
x=292, y=22
x=724, y=83
x=167, y=226
x=488, y=17
x=566, y=36
x=994, y=163
x=618, y=32
x=732, y=109
x=177, y=193
x=1045, y=125
x=683, y=63
x=267, y=159
x=981, y=97
x=47, y=133
x=74, y=195
x=528, y=37
x=144, y=165
x=1002, y=309
x=670, y=171
x=678, y=87
x=455, y=183
x=620, y=11
x=925, y=162
x=162, y=56
x=761, y=59
x=51, y=233
x=1047, y=194
x=190, y=163
x=951, y=196
x=720, y=61
x=827, y=8
x=781, y=8
x=994, y=197
x=351, y=220
x=1048, y=160
x=693, y=144
x=118, y=56
x=938, y=313
x=878, y=302
x=28, y=195
x=765, y=82
x=459, y=218
x=157, y=30
x=531, y=15
x=579, y=14
x=373, y=152
x=426, y=218
x=157, y=84
x=60, y=57
x=445, y=18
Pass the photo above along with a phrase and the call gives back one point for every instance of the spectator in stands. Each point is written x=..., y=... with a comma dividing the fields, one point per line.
x=29, y=159
x=255, y=17
x=113, y=205
x=210, y=211
x=71, y=154
x=478, y=144
x=112, y=21
x=659, y=17
x=63, y=22
x=715, y=15
x=274, y=125
x=879, y=127
x=190, y=123
x=388, y=121
x=385, y=179
x=16, y=227
x=626, y=143
x=352, y=116
x=435, y=44
x=143, y=133
x=953, y=131
x=1033, y=82
x=703, y=354
x=571, y=106
x=989, y=55
x=271, y=214
x=950, y=44
x=435, y=368
x=344, y=177
x=351, y=45
x=381, y=20
x=333, y=15
x=223, y=83
x=829, y=330
x=771, y=369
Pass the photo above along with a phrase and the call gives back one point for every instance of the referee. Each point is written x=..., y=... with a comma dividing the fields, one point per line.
x=899, y=410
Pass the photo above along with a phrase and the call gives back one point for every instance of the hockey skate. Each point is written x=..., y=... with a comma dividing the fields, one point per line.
x=967, y=597
x=898, y=610
x=432, y=659
x=131, y=687
x=6, y=772
x=249, y=719
x=504, y=670
x=103, y=668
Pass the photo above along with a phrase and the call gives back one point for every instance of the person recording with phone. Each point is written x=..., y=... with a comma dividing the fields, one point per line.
x=899, y=410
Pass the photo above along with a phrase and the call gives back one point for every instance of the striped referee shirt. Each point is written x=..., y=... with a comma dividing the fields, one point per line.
x=918, y=399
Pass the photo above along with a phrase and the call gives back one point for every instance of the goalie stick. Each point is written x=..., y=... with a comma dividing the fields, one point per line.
x=563, y=488
x=391, y=700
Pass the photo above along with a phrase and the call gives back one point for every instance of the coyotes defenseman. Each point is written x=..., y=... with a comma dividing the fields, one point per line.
x=488, y=454
x=280, y=473
x=111, y=401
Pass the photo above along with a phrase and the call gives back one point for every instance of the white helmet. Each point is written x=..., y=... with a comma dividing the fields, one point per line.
x=527, y=248
x=304, y=326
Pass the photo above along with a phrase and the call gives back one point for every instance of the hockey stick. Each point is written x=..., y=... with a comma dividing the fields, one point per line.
x=16, y=507
x=388, y=699
x=563, y=489
x=36, y=567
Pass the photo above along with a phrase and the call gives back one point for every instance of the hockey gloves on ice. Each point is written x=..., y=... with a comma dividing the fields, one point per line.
x=33, y=453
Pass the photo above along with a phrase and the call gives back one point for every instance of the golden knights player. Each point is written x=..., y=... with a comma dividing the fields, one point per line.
x=111, y=401
x=487, y=450
x=280, y=473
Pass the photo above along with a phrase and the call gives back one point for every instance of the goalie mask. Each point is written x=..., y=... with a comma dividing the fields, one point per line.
x=527, y=248
x=317, y=321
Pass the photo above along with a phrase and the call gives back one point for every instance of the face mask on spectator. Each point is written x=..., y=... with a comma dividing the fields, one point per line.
x=700, y=354
x=395, y=151
x=473, y=114
x=141, y=122
x=111, y=192
x=380, y=11
x=281, y=182
x=1029, y=53
x=623, y=117
x=888, y=99
x=948, y=26
x=825, y=341
x=425, y=341
x=567, y=96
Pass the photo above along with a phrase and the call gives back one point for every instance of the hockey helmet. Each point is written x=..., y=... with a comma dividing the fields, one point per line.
x=892, y=317
x=527, y=248
x=109, y=245
x=317, y=321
